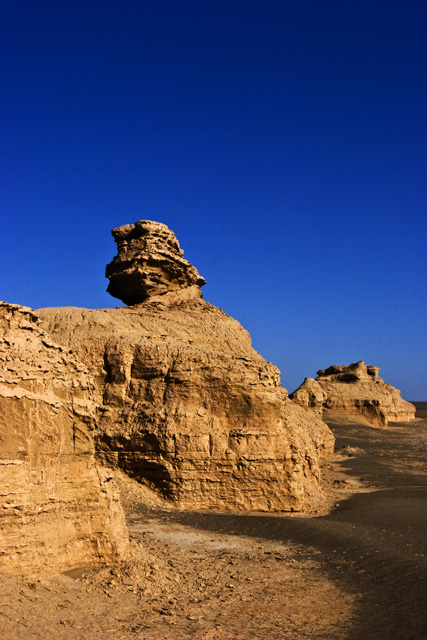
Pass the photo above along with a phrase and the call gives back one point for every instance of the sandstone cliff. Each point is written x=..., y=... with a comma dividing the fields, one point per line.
x=184, y=403
x=355, y=389
x=58, y=510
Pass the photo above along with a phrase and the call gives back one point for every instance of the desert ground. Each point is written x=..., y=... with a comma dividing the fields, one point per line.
x=355, y=571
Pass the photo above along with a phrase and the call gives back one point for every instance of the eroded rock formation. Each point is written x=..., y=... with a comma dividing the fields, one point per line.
x=149, y=262
x=58, y=509
x=184, y=403
x=310, y=395
x=355, y=389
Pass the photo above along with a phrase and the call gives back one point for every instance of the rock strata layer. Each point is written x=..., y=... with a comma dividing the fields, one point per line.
x=355, y=389
x=149, y=262
x=187, y=407
x=58, y=509
x=184, y=403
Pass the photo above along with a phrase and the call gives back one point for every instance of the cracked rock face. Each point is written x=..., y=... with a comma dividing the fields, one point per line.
x=149, y=263
x=58, y=509
x=184, y=404
x=355, y=389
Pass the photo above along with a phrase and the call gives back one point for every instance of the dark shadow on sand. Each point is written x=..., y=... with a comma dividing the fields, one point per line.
x=373, y=544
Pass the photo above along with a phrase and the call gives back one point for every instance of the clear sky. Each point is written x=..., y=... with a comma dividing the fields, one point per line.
x=283, y=141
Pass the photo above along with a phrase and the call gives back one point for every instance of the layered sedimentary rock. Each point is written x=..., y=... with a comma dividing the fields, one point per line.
x=149, y=262
x=310, y=395
x=184, y=403
x=355, y=389
x=58, y=509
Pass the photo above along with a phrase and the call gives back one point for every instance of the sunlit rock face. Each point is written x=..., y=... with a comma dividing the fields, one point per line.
x=310, y=395
x=185, y=405
x=58, y=509
x=355, y=389
x=149, y=262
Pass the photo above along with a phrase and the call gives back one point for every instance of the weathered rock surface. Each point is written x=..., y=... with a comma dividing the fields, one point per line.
x=184, y=403
x=186, y=406
x=310, y=395
x=149, y=262
x=58, y=509
x=355, y=389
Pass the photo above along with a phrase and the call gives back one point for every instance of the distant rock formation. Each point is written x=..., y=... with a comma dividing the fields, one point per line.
x=184, y=403
x=355, y=389
x=58, y=510
x=149, y=262
x=310, y=395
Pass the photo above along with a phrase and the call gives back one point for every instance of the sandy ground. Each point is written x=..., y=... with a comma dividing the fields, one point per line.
x=181, y=582
x=213, y=576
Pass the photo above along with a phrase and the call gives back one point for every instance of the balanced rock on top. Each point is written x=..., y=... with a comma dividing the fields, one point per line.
x=149, y=263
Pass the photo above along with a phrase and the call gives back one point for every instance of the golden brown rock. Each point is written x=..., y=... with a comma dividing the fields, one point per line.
x=189, y=408
x=355, y=389
x=184, y=403
x=310, y=395
x=58, y=509
x=149, y=262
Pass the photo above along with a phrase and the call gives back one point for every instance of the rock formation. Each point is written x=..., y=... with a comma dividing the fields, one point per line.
x=149, y=262
x=185, y=405
x=310, y=395
x=355, y=389
x=58, y=510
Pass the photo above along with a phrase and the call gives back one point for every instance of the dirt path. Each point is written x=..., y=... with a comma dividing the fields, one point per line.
x=357, y=573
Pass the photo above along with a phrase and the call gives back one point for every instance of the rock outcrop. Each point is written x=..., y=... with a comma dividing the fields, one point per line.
x=185, y=405
x=149, y=262
x=58, y=509
x=355, y=389
x=310, y=395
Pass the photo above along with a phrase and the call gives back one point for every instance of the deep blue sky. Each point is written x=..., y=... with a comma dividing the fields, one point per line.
x=283, y=141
